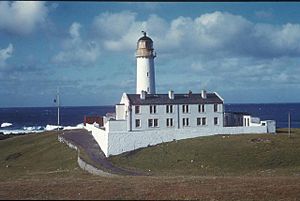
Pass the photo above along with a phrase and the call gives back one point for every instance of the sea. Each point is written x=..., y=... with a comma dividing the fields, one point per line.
x=39, y=119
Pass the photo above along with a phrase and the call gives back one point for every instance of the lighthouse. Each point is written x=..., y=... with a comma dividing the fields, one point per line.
x=145, y=74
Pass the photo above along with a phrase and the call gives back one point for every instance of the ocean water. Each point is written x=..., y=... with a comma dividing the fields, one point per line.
x=37, y=119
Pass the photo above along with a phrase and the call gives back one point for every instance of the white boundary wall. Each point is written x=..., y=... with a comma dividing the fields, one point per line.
x=100, y=135
x=114, y=142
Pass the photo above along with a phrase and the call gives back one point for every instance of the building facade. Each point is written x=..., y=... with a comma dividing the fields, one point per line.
x=170, y=111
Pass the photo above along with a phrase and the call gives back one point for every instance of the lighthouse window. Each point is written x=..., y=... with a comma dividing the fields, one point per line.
x=137, y=109
x=147, y=74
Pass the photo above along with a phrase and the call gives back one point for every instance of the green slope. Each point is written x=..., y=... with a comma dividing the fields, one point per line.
x=38, y=155
x=251, y=154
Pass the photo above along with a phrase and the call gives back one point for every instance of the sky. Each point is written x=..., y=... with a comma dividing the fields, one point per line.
x=248, y=52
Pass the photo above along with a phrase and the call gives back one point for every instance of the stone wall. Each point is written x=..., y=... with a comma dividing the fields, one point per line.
x=82, y=164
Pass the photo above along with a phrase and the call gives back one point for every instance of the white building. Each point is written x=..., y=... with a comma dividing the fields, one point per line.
x=147, y=118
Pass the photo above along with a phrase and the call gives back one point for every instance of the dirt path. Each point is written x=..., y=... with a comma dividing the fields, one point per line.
x=83, y=139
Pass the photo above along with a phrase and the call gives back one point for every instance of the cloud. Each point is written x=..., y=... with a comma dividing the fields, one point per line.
x=5, y=54
x=22, y=17
x=211, y=33
x=218, y=51
x=76, y=51
x=247, y=73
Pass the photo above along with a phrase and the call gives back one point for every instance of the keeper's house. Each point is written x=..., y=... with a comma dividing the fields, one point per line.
x=170, y=111
x=147, y=118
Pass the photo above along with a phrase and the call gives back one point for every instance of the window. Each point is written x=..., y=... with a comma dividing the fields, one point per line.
x=216, y=122
x=147, y=74
x=152, y=109
x=137, y=109
x=137, y=123
x=215, y=107
x=203, y=121
x=152, y=122
x=198, y=121
x=155, y=122
x=169, y=108
x=201, y=108
x=185, y=121
x=185, y=108
x=169, y=122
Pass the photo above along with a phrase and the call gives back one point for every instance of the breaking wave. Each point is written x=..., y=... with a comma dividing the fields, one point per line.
x=5, y=124
x=37, y=129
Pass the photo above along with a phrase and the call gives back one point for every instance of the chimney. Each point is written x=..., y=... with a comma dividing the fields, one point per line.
x=143, y=95
x=203, y=94
x=171, y=94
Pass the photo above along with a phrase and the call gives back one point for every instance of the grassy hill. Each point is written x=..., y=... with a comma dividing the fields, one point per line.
x=260, y=154
x=38, y=155
x=37, y=166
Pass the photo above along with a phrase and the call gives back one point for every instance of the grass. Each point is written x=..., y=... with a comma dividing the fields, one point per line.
x=35, y=154
x=37, y=166
x=220, y=155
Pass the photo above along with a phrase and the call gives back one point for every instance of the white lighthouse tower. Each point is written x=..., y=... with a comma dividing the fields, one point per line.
x=145, y=65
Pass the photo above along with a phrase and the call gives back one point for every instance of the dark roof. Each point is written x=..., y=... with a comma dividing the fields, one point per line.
x=146, y=38
x=162, y=99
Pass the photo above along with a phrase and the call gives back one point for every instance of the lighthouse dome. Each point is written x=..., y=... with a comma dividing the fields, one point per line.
x=145, y=42
x=145, y=38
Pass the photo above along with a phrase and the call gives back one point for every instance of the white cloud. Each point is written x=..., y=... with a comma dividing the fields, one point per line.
x=211, y=33
x=74, y=30
x=5, y=54
x=218, y=50
x=22, y=17
x=76, y=51
x=114, y=25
